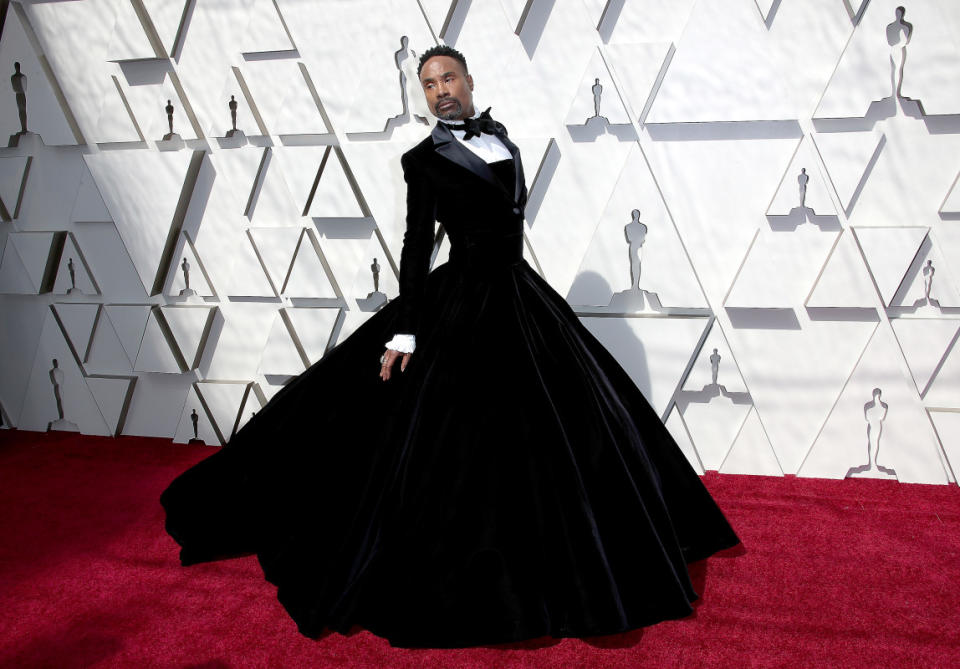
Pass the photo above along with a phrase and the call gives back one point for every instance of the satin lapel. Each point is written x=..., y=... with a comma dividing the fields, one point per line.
x=446, y=145
x=519, y=185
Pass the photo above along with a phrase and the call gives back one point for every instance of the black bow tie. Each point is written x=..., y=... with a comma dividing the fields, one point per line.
x=482, y=123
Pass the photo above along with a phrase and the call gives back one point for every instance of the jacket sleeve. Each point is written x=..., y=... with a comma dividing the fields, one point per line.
x=417, y=245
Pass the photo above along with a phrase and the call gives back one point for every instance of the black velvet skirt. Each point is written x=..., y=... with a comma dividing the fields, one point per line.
x=512, y=483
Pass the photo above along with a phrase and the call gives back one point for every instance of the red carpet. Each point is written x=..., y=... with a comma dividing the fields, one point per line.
x=834, y=573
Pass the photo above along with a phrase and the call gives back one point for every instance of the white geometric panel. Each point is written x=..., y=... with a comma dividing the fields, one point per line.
x=313, y=328
x=270, y=204
x=751, y=452
x=596, y=96
x=14, y=278
x=106, y=354
x=222, y=401
x=929, y=272
x=189, y=327
x=73, y=276
x=780, y=267
x=194, y=420
x=925, y=343
x=55, y=389
x=878, y=427
x=148, y=103
x=713, y=426
x=280, y=356
x=177, y=277
x=717, y=192
x=308, y=276
x=654, y=351
x=128, y=41
x=241, y=341
x=728, y=58
x=265, y=29
x=34, y=251
x=611, y=260
x=727, y=370
x=889, y=253
x=77, y=320
x=638, y=67
x=157, y=404
x=141, y=190
x=573, y=204
x=847, y=157
x=947, y=426
x=44, y=115
x=166, y=16
x=679, y=433
x=155, y=354
x=333, y=195
x=951, y=203
x=812, y=363
x=350, y=248
x=112, y=396
x=129, y=322
x=865, y=72
x=844, y=280
x=276, y=248
x=802, y=181
x=298, y=167
x=943, y=388
x=109, y=261
x=13, y=179
x=281, y=93
x=351, y=321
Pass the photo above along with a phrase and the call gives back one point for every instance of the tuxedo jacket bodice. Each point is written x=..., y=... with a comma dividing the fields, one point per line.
x=482, y=215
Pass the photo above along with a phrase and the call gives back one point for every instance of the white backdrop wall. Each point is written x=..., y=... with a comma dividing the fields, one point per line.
x=743, y=199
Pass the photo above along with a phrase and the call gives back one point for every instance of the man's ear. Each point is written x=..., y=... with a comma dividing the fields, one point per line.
x=470, y=81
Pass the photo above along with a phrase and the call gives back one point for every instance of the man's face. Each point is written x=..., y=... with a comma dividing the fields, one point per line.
x=448, y=88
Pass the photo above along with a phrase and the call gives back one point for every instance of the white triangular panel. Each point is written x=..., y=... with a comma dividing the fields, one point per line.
x=40, y=405
x=930, y=265
x=176, y=281
x=889, y=253
x=637, y=67
x=943, y=389
x=107, y=354
x=154, y=353
x=205, y=429
x=281, y=94
x=78, y=321
x=14, y=278
x=280, y=356
x=34, y=250
x=907, y=443
x=13, y=174
x=265, y=30
x=84, y=281
x=924, y=342
x=44, y=114
x=751, y=452
x=678, y=431
x=141, y=191
x=713, y=426
x=947, y=425
x=188, y=325
x=846, y=156
x=223, y=401
x=844, y=280
x=334, y=196
x=89, y=206
x=728, y=372
x=110, y=395
x=308, y=278
x=166, y=16
x=781, y=267
x=129, y=322
x=654, y=351
x=276, y=247
x=313, y=328
x=587, y=98
x=951, y=203
x=298, y=166
x=816, y=195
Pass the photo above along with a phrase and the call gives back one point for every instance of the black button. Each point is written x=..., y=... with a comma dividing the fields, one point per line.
x=516, y=210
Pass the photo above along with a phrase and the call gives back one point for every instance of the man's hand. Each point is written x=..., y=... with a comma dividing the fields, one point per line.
x=389, y=357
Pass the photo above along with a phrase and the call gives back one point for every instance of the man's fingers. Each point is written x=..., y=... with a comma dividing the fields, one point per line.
x=403, y=363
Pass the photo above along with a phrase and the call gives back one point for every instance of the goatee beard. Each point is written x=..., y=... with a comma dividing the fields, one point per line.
x=451, y=114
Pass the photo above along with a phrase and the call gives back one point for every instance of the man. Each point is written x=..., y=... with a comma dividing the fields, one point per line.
x=455, y=156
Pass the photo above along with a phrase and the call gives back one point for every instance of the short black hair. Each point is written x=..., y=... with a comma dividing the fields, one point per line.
x=442, y=50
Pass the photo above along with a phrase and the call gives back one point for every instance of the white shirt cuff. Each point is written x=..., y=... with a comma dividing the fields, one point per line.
x=404, y=343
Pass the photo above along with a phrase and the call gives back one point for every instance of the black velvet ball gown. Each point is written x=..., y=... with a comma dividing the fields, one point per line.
x=512, y=483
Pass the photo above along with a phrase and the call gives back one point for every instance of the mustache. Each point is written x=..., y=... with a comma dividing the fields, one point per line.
x=436, y=107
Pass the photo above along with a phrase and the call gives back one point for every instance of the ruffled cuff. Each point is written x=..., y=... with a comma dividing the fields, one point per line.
x=404, y=343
